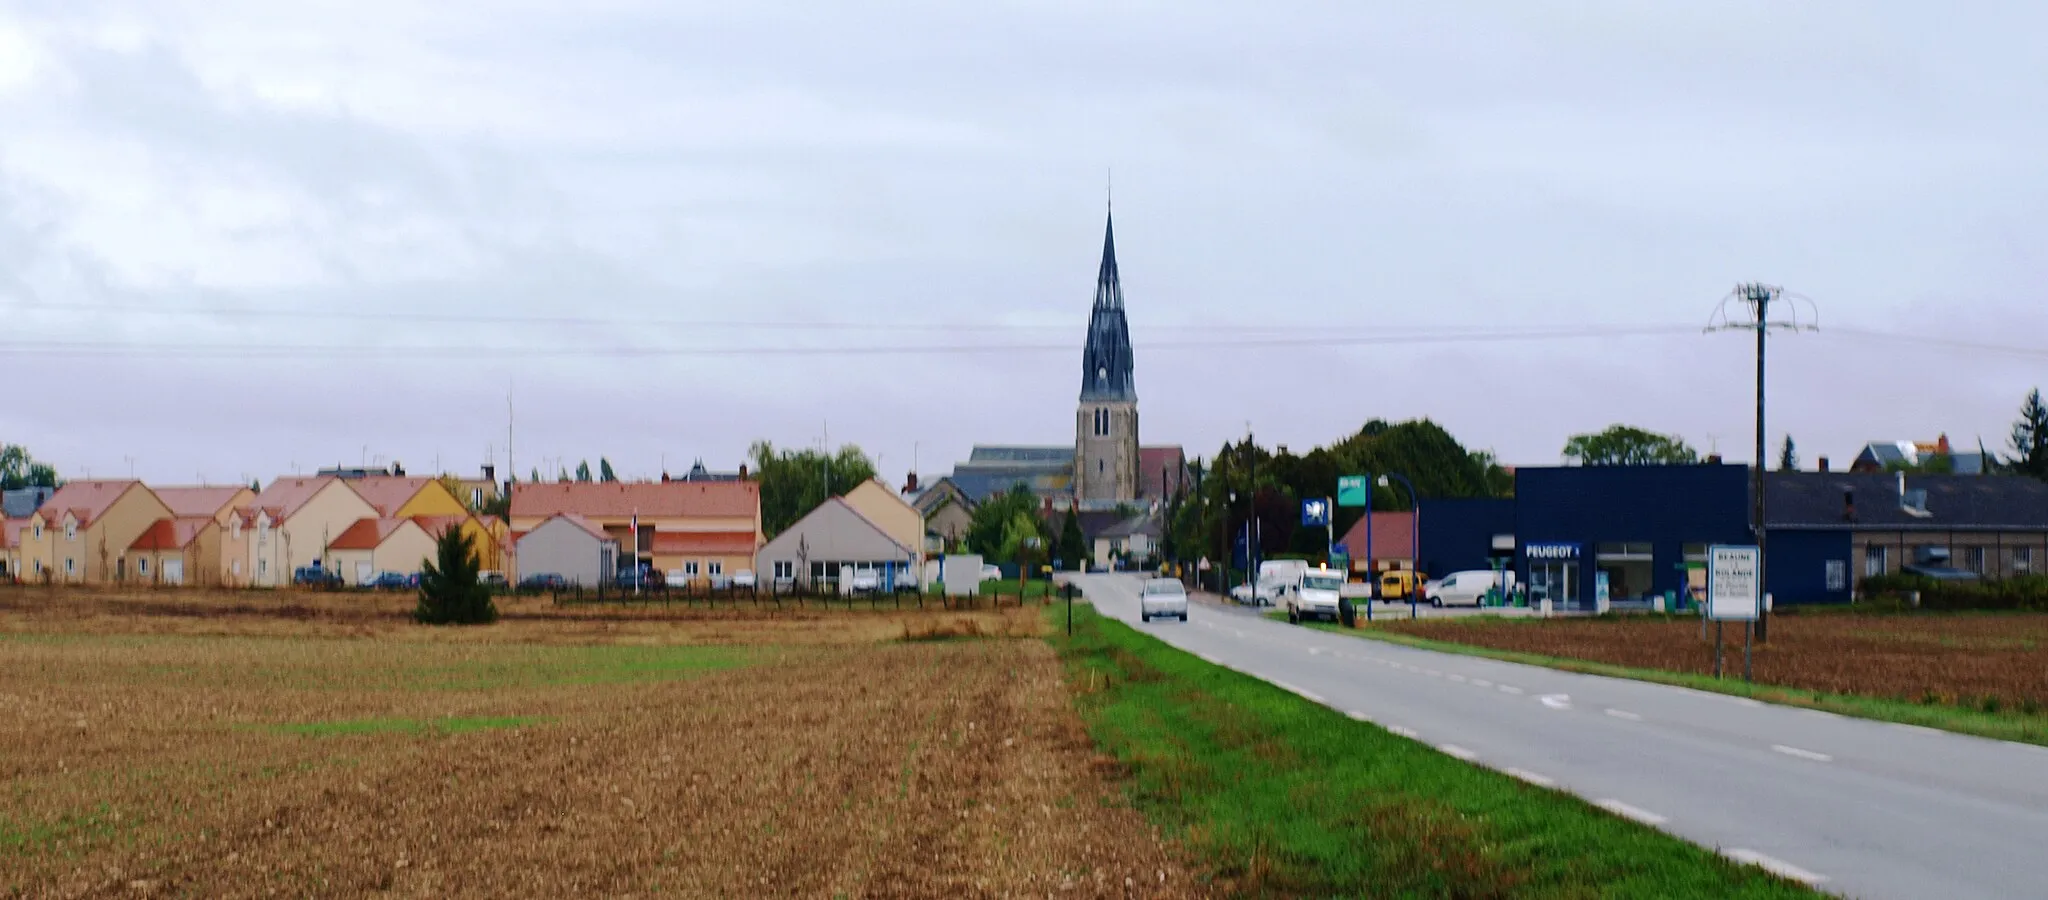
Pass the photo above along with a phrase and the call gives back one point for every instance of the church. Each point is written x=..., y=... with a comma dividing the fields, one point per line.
x=1107, y=475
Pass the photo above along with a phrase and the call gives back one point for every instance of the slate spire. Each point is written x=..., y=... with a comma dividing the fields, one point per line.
x=1106, y=363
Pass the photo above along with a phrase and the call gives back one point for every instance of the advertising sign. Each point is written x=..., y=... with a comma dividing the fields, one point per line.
x=1351, y=490
x=1315, y=511
x=1733, y=593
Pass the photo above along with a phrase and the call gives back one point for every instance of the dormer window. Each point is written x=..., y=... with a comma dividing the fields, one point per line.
x=235, y=529
x=39, y=531
x=71, y=531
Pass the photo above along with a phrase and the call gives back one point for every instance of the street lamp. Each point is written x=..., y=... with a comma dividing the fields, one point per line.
x=1414, y=539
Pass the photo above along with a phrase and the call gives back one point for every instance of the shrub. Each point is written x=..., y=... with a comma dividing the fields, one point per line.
x=2023, y=593
x=451, y=593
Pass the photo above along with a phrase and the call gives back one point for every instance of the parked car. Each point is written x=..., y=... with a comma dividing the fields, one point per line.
x=388, y=581
x=1164, y=597
x=676, y=579
x=991, y=573
x=866, y=581
x=1398, y=584
x=1466, y=588
x=315, y=576
x=493, y=580
x=743, y=579
x=543, y=581
x=1312, y=593
x=719, y=582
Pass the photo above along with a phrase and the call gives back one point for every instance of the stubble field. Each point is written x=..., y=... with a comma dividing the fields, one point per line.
x=215, y=746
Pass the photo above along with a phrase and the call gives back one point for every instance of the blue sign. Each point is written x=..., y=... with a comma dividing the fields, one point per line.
x=1315, y=511
x=1340, y=549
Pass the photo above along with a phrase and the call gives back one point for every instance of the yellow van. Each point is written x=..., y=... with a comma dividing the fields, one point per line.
x=1399, y=584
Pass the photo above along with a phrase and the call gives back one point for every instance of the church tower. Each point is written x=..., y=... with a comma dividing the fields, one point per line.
x=1106, y=427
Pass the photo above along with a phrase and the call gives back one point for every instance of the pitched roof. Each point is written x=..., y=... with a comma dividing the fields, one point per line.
x=1141, y=524
x=1162, y=471
x=171, y=534
x=85, y=500
x=1094, y=523
x=576, y=520
x=185, y=502
x=1393, y=536
x=388, y=493
x=648, y=499
x=1027, y=455
x=10, y=532
x=20, y=504
x=283, y=498
x=437, y=525
x=728, y=543
x=1106, y=360
x=1817, y=500
x=367, y=534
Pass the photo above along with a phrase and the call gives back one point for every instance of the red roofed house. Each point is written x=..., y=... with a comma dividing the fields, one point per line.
x=292, y=523
x=82, y=533
x=1393, y=542
x=1162, y=472
x=703, y=529
x=372, y=546
x=188, y=546
x=10, y=548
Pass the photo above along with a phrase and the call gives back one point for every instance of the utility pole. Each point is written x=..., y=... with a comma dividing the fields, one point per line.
x=1757, y=298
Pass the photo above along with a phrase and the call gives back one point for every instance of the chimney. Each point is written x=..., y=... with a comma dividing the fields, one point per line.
x=1848, y=504
x=664, y=478
x=1713, y=459
x=1823, y=463
x=743, y=471
x=910, y=484
x=397, y=469
x=1941, y=445
x=490, y=473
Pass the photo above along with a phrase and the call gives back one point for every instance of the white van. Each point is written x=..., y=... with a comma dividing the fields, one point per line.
x=1467, y=588
x=1274, y=576
x=1313, y=593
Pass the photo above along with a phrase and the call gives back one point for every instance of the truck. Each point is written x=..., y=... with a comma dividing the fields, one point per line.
x=1275, y=574
x=1312, y=593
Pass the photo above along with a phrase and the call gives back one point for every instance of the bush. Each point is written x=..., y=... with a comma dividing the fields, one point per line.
x=2027, y=593
x=451, y=593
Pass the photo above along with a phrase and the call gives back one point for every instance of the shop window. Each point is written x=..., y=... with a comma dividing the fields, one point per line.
x=1629, y=568
x=1874, y=562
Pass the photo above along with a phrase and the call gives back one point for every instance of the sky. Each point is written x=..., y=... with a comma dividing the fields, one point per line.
x=242, y=238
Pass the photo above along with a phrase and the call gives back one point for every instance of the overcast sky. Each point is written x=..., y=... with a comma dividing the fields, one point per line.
x=423, y=205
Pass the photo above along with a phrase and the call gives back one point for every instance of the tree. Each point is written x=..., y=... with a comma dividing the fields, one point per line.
x=2030, y=438
x=20, y=470
x=1018, y=535
x=583, y=471
x=451, y=593
x=1623, y=445
x=794, y=482
x=1788, y=456
x=1073, y=545
x=989, y=532
x=455, y=488
x=604, y=470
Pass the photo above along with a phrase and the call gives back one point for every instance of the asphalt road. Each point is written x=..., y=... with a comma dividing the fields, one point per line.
x=1854, y=807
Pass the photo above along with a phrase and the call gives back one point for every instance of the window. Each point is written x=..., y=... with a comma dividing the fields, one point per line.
x=262, y=567
x=39, y=567
x=2022, y=560
x=476, y=498
x=142, y=567
x=70, y=566
x=1874, y=561
x=1101, y=467
x=784, y=569
x=39, y=531
x=71, y=532
x=1838, y=574
x=235, y=528
x=715, y=568
x=1973, y=559
x=237, y=568
x=690, y=569
x=1628, y=566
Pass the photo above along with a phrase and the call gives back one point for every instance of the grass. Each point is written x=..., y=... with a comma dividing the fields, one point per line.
x=449, y=725
x=1978, y=721
x=1289, y=798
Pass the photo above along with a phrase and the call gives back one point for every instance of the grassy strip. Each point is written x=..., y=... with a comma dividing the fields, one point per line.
x=1289, y=798
x=1998, y=726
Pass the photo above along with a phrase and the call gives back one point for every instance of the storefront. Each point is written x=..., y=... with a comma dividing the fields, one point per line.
x=1553, y=573
x=1633, y=529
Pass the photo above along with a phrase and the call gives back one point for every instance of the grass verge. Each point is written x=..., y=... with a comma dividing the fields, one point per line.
x=1998, y=726
x=1288, y=798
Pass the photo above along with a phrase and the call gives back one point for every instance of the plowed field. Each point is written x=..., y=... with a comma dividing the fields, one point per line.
x=1977, y=660
x=199, y=750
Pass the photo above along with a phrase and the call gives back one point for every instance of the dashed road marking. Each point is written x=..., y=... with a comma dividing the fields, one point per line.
x=1624, y=715
x=1802, y=754
x=1457, y=751
x=1631, y=812
x=1433, y=673
x=1508, y=689
x=1457, y=678
x=1774, y=866
x=1557, y=701
x=1481, y=682
x=1531, y=777
x=1401, y=731
x=1315, y=651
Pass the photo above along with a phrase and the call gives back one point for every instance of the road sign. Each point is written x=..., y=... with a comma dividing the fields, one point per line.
x=1315, y=511
x=1351, y=490
x=1733, y=594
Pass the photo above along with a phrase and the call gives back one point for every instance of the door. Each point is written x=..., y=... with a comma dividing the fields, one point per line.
x=174, y=571
x=363, y=572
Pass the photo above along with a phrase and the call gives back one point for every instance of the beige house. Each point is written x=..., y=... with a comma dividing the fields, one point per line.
x=701, y=529
x=189, y=547
x=293, y=522
x=10, y=548
x=373, y=546
x=83, y=532
x=880, y=504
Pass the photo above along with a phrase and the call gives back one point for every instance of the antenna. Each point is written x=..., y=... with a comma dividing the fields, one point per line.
x=1109, y=188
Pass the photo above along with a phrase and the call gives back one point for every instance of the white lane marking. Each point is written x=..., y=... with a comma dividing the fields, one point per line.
x=1624, y=715
x=1557, y=701
x=1775, y=866
x=1632, y=812
x=1433, y=673
x=1315, y=651
x=1359, y=715
x=1457, y=751
x=1508, y=689
x=1531, y=777
x=1481, y=682
x=1802, y=754
x=1400, y=731
x=1457, y=678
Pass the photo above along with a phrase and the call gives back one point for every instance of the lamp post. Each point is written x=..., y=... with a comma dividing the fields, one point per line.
x=1414, y=537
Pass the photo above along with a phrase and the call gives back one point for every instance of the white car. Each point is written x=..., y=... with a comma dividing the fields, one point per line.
x=1466, y=588
x=866, y=581
x=1314, y=594
x=743, y=578
x=677, y=579
x=1163, y=597
x=991, y=573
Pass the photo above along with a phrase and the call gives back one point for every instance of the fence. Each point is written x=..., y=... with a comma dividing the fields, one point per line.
x=776, y=597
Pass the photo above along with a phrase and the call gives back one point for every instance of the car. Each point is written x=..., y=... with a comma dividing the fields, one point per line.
x=676, y=579
x=494, y=580
x=991, y=573
x=1163, y=597
x=1398, y=584
x=1313, y=593
x=1467, y=588
x=387, y=581
x=1243, y=593
x=543, y=581
x=315, y=576
x=865, y=581
x=720, y=582
x=637, y=578
x=743, y=578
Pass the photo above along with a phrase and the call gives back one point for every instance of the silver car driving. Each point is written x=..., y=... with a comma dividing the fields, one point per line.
x=1163, y=597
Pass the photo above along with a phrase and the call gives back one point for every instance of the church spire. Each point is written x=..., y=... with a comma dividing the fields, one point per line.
x=1106, y=363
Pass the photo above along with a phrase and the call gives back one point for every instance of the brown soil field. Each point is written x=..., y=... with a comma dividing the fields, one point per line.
x=1952, y=659
x=190, y=745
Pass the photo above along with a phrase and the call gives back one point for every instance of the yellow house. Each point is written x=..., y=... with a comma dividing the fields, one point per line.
x=374, y=546
x=430, y=500
x=291, y=524
x=191, y=546
x=83, y=532
x=877, y=503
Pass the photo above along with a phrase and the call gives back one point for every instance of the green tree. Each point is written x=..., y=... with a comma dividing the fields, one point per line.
x=1788, y=456
x=1018, y=534
x=451, y=593
x=2030, y=438
x=990, y=530
x=794, y=482
x=20, y=470
x=604, y=470
x=1623, y=445
x=583, y=471
x=1072, y=547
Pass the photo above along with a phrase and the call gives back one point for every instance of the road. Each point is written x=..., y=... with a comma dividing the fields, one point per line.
x=1854, y=807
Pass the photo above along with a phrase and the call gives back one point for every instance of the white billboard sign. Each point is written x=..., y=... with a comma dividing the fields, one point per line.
x=1734, y=592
